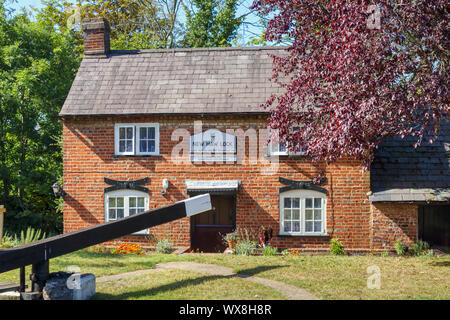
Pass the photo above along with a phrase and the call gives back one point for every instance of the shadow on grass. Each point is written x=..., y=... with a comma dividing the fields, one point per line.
x=180, y=284
x=256, y=270
x=440, y=263
x=161, y=289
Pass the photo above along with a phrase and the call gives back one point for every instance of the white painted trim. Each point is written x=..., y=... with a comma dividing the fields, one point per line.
x=198, y=204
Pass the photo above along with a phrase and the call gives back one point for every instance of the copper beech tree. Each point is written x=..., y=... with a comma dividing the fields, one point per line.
x=355, y=72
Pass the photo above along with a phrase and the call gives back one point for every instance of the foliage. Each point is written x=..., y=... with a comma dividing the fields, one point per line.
x=38, y=63
x=164, y=246
x=245, y=247
x=358, y=73
x=336, y=247
x=211, y=23
x=30, y=235
x=232, y=236
x=128, y=248
x=134, y=24
x=269, y=251
x=400, y=248
x=385, y=254
x=246, y=234
x=421, y=248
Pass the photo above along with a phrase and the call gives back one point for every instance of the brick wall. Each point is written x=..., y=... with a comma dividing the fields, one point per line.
x=393, y=222
x=88, y=159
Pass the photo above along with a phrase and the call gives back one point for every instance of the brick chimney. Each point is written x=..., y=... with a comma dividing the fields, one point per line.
x=96, y=37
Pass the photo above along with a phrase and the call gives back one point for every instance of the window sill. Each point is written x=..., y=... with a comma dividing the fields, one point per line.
x=137, y=156
x=324, y=236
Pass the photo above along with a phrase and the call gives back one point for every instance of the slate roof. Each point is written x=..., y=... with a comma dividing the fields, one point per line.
x=401, y=173
x=181, y=81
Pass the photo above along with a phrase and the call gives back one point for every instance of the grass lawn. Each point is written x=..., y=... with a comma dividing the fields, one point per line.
x=327, y=277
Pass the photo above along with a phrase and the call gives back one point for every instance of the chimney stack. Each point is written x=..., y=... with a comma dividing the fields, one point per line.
x=96, y=37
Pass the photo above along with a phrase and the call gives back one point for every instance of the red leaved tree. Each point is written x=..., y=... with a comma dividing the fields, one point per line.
x=356, y=72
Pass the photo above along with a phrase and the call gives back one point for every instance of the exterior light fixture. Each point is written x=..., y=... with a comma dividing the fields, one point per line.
x=58, y=191
x=165, y=186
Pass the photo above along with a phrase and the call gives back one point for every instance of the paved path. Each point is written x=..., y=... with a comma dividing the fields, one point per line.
x=289, y=291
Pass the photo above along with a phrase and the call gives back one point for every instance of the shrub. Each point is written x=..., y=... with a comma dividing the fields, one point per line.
x=9, y=241
x=30, y=235
x=336, y=247
x=245, y=247
x=420, y=248
x=164, y=246
x=385, y=254
x=400, y=248
x=269, y=251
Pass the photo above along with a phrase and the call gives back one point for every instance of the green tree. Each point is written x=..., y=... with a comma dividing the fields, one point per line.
x=38, y=62
x=211, y=23
x=140, y=24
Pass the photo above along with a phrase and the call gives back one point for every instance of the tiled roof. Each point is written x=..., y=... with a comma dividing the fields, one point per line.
x=183, y=81
x=402, y=173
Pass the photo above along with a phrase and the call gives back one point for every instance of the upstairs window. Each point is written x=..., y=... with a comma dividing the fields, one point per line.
x=276, y=148
x=137, y=139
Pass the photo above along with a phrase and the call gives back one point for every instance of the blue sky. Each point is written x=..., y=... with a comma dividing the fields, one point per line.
x=245, y=32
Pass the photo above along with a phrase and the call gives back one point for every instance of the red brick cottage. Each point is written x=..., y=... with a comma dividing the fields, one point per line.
x=143, y=129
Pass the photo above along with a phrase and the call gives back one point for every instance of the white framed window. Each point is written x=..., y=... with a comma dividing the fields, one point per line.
x=136, y=138
x=124, y=203
x=275, y=148
x=303, y=212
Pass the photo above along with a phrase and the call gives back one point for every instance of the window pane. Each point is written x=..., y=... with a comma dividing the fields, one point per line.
x=296, y=226
x=308, y=214
x=129, y=133
x=143, y=146
x=296, y=214
x=119, y=213
x=308, y=203
x=308, y=226
x=141, y=202
x=317, y=203
x=151, y=146
x=317, y=227
x=121, y=133
x=296, y=203
x=287, y=214
x=132, y=202
x=132, y=211
x=287, y=202
x=112, y=202
x=120, y=202
x=139, y=210
x=122, y=146
x=151, y=133
x=317, y=214
x=112, y=214
x=143, y=133
x=129, y=146
x=287, y=226
x=282, y=148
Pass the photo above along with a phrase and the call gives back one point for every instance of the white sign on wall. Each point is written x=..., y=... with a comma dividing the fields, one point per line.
x=213, y=145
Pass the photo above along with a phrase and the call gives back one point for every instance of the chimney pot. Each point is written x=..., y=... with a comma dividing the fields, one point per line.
x=96, y=37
